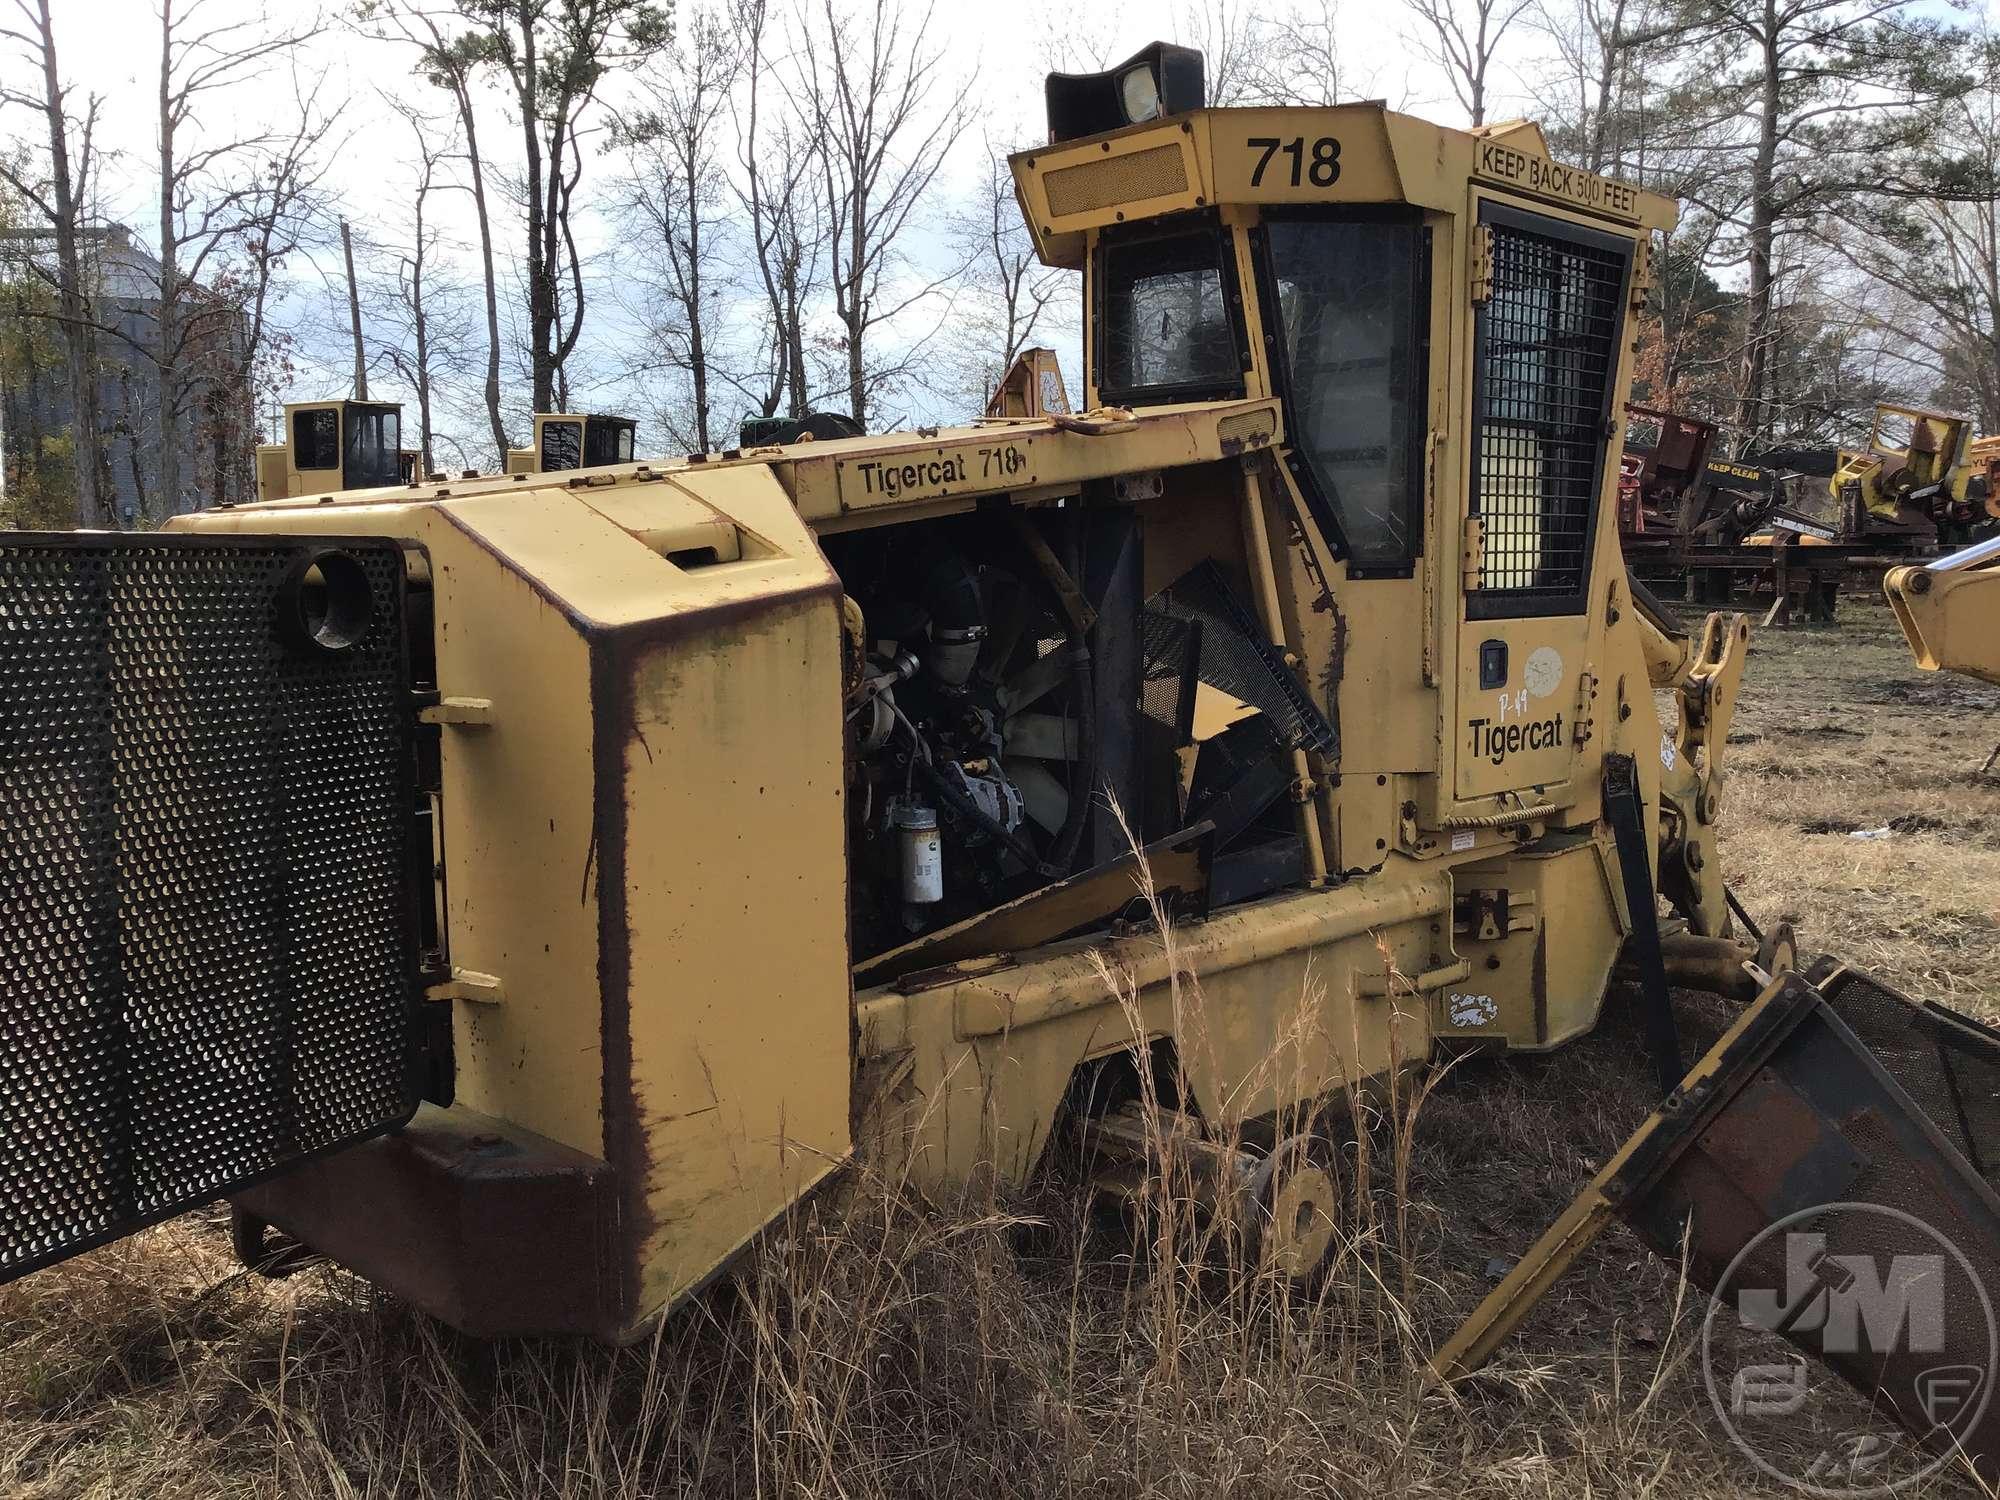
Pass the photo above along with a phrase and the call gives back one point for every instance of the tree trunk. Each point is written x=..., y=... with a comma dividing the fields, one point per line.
x=1478, y=79
x=1763, y=236
x=541, y=227
x=697, y=344
x=465, y=118
x=1607, y=73
x=79, y=341
x=167, y=500
x=854, y=314
x=219, y=434
x=420, y=329
x=354, y=314
x=1989, y=252
x=793, y=333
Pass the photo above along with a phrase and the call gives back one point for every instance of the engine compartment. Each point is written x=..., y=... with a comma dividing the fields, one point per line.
x=1020, y=711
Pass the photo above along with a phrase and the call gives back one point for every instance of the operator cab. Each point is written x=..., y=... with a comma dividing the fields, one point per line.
x=335, y=445
x=565, y=440
x=1441, y=317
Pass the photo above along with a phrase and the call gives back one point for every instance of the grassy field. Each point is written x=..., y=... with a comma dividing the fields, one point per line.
x=1009, y=1348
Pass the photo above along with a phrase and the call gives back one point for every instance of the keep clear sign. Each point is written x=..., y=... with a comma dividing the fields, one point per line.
x=1552, y=179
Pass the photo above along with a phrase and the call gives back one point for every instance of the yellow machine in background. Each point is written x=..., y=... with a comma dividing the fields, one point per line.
x=566, y=440
x=1950, y=610
x=1950, y=614
x=1921, y=472
x=335, y=445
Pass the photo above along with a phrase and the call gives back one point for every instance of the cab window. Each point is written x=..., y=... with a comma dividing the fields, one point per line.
x=316, y=439
x=373, y=448
x=1167, y=319
x=1544, y=362
x=562, y=446
x=1348, y=303
x=608, y=440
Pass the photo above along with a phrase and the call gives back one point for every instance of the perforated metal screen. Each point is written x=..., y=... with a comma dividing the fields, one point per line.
x=1547, y=345
x=1947, y=1062
x=1234, y=657
x=207, y=952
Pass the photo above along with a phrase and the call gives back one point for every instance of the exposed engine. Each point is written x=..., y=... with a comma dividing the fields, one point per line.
x=972, y=730
x=1008, y=681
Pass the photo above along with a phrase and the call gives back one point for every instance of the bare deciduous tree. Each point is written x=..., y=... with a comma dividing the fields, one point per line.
x=423, y=330
x=555, y=54
x=450, y=61
x=1007, y=296
x=60, y=202
x=1462, y=37
x=873, y=86
x=1929, y=248
x=778, y=157
x=676, y=195
x=214, y=193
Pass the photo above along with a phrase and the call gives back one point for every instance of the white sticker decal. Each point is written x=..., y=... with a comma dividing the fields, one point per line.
x=1460, y=842
x=1667, y=753
x=1544, y=671
x=1474, y=1010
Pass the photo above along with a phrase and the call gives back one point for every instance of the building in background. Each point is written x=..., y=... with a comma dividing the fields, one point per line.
x=216, y=422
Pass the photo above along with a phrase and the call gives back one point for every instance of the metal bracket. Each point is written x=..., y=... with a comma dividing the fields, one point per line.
x=466, y=713
x=1482, y=265
x=467, y=984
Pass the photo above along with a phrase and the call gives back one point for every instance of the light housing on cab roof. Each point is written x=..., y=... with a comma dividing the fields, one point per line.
x=1153, y=82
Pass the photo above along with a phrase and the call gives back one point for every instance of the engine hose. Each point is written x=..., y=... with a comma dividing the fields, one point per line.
x=972, y=812
x=949, y=590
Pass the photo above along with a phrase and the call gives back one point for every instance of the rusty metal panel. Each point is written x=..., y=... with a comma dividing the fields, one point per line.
x=1947, y=1062
x=1820, y=1205
x=1829, y=1216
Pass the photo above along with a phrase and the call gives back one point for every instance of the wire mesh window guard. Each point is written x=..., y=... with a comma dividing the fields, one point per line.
x=1547, y=345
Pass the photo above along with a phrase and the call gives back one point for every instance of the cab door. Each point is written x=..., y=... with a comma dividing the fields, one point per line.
x=1548, y=328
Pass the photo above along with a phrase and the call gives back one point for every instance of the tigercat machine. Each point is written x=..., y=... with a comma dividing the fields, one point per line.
x=335, y=445
x=573, y=870
x=573, y=440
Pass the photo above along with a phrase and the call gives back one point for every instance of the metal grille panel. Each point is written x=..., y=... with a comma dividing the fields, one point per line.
x=1947, y=1062
x=1235, y=658
x=1547, y=347
x=1156, y=172
x=1169, y=657
x=207, y=961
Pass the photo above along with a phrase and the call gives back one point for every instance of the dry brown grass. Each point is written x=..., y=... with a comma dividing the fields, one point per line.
x=1838, y=732
x=1021, y=1347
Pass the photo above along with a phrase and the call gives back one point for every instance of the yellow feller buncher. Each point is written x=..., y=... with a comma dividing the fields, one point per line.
x=523, y=890
x=1921, y=478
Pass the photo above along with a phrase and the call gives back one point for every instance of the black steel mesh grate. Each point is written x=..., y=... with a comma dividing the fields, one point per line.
x=1948, y=1063
x=1169, y=653
x=207, y=955
x=1235, y=659
x=1548, y=342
